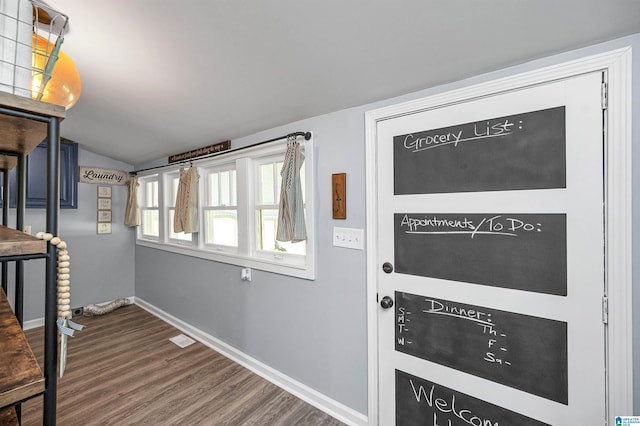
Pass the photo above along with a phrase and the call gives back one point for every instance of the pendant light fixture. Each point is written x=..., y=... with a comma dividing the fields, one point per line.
x=55, y=78
x=62, y=84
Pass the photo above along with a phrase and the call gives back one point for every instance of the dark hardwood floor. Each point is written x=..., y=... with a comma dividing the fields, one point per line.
x=123, y=370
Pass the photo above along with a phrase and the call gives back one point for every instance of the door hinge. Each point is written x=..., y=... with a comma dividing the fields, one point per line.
x=605, y=310
x=604, y=96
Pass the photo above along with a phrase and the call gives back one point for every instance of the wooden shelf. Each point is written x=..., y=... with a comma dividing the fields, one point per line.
x=22, y=135
x=20, y=374
x=14, y=242
x=8, y=417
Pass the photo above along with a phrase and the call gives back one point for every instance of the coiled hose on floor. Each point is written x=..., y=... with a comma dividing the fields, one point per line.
x=93, y=310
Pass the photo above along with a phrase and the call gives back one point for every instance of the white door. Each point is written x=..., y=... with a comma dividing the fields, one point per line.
x=491, y=232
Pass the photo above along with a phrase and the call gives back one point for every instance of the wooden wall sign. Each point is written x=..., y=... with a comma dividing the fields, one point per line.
x=103, y=176
x=200, y=152
x=339, y=195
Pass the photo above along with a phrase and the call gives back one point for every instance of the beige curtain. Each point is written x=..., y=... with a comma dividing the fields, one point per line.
x=291, y=223
x=185, y=218
x=131, y=213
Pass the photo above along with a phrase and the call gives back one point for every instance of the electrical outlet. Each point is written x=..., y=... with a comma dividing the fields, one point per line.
x=77, y=312
x=349, y=238
x=245, y=274
x=27, y=229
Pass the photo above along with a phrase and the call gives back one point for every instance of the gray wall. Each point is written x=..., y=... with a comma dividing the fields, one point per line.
x=102, y=266
x=315, y=331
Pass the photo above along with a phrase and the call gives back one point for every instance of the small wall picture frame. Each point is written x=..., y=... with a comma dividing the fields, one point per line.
x=104, y=216
x=104, y=191
x=104, y=228
x=104, y=203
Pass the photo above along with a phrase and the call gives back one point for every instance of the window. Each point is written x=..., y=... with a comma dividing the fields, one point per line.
x=149, y=208
x=220, y=209
x=268, y=198
x=173, y=180
x=238, y=208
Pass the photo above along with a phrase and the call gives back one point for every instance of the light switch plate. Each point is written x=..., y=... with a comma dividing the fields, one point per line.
x=348, y=237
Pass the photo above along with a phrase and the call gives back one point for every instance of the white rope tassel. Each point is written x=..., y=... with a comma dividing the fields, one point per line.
x=66, y=327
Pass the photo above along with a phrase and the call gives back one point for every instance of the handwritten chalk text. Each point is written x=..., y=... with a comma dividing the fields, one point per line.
x=488, y=225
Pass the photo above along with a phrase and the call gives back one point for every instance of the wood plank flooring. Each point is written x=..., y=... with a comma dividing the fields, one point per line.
x=123, y=370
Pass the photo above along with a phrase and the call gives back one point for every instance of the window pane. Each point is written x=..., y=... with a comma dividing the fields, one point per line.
x=175, y=183
x=232, y=188
x=221, y=190
x=278, y=181
x=213, y=190
x=180, y=235
x=221, y=227
x=294, y=248
x=150, y=223
x=266, y=184
x=268, y=224
x=225, y=184
x=151, y=193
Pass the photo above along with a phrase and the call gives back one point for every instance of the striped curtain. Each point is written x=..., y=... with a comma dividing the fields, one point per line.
x=291, y=224
x=132, y=213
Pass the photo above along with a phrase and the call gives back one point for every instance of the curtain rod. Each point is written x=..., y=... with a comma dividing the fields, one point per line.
x=307, y=136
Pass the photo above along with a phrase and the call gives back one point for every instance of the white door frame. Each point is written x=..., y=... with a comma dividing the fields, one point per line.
x=617, y=64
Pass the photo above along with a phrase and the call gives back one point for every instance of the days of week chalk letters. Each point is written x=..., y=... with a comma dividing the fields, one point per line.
x=496, y=344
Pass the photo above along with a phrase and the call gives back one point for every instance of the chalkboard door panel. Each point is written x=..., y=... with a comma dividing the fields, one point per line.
x=518, y=251
x=522, y=151
x=497, y=271
x=521, y=351
x=422, y=402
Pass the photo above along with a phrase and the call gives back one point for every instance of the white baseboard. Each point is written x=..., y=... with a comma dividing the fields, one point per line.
x=34, y=323
x=300, y=390
x=39, y=322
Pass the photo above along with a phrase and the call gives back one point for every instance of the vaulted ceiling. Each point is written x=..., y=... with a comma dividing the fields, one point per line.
x=162, y=76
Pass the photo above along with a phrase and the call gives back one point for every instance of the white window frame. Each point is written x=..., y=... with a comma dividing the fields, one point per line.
x=169, y=205
x=205, y=206
x=289, y=258
x=246, y=254
x=142, y=195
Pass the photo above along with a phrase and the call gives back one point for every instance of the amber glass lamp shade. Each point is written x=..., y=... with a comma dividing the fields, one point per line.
x=64, y=86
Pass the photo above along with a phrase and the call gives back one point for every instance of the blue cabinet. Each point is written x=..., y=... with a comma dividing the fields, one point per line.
x=36, y=177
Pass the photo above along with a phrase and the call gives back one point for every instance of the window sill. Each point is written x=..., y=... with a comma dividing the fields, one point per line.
x=279, y=267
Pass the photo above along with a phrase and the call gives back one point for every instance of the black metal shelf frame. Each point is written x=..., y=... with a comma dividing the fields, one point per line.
x=52, y=212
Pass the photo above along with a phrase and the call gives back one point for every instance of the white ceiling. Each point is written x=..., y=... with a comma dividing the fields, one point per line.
x=162, y=77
